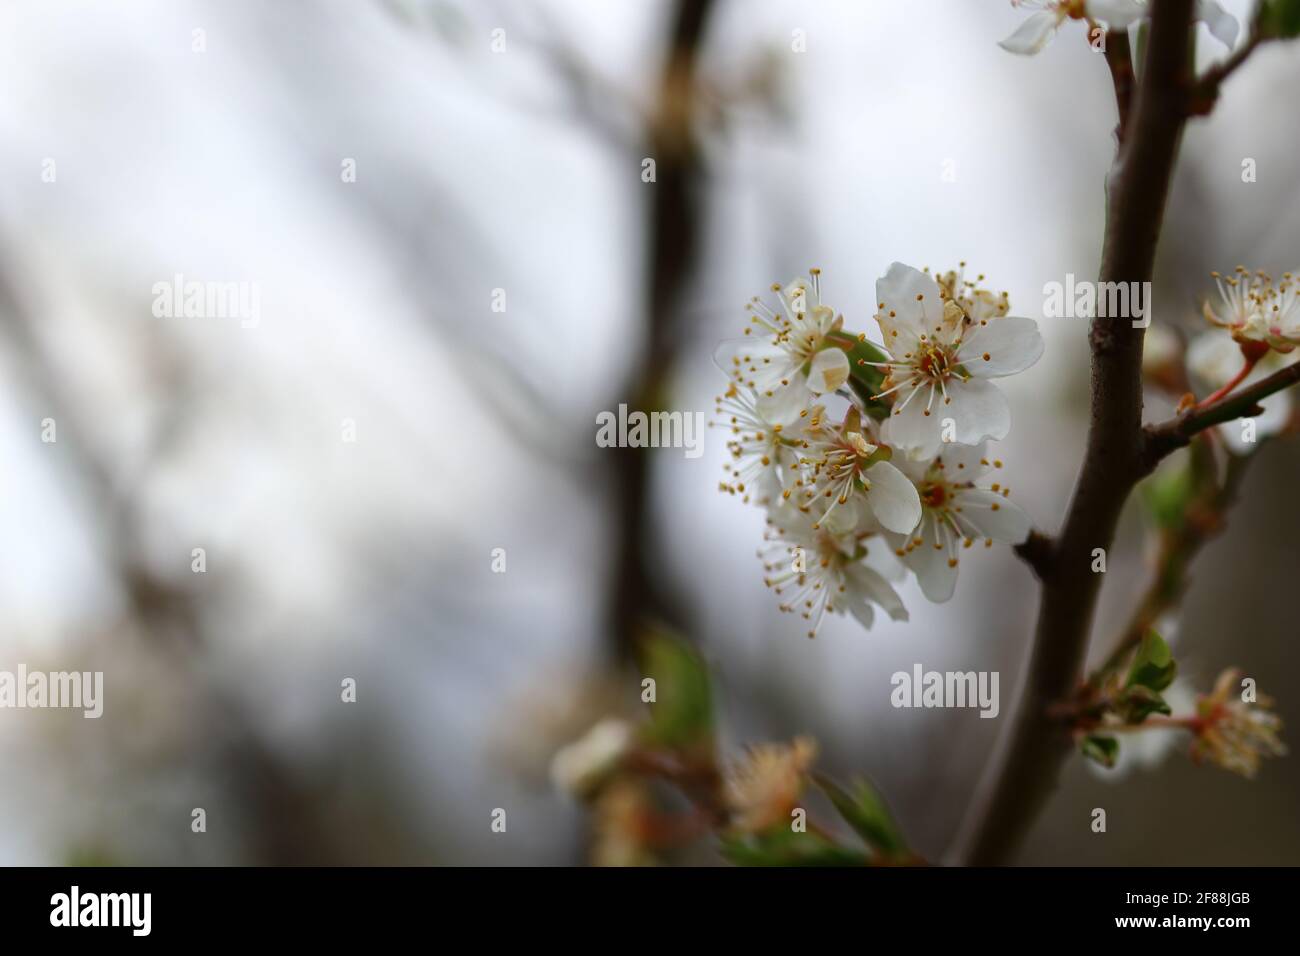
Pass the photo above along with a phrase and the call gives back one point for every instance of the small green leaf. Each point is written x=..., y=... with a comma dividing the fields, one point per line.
x=682, y=713
x=1139, y=702
x=1279, y=19
x=1153, y=665
x=1169, y=492
x=862, y=809
x=782, y=846
x=1104, y=750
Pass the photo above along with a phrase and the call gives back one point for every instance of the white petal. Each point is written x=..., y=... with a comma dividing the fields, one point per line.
x=795, y=295
x=755, y=362
x=841, y=524
x=1276, y=416
x=1012, y=344
x=865, y=583
x=978, y=409
x=993, y=515
x=882, y=559
x=1118, y=14
x=898, y=290
x=767, y=485
x=1214, y=357
x=893, y=498
x=828, y=371
x=963, y=462
x=1222, y=24
x=934, y=572
x=1033, y=33
x=861, y=610
x=784, y=405
x=909, y=427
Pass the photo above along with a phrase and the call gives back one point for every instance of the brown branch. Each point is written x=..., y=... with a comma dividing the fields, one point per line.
x=1159, y=440
x=1119, y=58
x=1037, y=551
x=1023, y=774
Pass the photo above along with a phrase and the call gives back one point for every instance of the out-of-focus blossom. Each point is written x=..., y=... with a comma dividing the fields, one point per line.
x=764, y=788
x=623, y=825
x=827, y=568
x=582, y=766
x=1233, y=733
x=1215, y=359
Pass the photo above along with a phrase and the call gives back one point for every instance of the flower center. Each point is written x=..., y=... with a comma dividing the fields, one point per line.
x=934, y=361
x=934, y=495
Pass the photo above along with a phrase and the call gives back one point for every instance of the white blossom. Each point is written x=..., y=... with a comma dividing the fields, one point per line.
x=764, y=444
x=1037, y=31
x=943, y=347
x=785, y=354
x=958, y=509
x=828, y=568
x=847, y=464
x=1254, y=309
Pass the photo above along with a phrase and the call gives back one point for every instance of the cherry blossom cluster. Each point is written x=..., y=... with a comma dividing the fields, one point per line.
x=871, y=458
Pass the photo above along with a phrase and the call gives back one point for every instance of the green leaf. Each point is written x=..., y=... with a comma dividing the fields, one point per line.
x=682, y=712
x=1104, y=750
x=1153, y=665
x=1279, y=19
x=864, y=810
x=864, y=379
x=781, y=846
x=1138, y=703
x=1169, y=492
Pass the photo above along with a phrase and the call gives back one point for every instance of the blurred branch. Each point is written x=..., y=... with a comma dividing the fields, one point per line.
x=1179, y=546
x=1206, y=92
x=637, y=594
x=165, y=609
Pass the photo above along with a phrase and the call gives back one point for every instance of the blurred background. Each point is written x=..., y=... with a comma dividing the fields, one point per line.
x=443, y=209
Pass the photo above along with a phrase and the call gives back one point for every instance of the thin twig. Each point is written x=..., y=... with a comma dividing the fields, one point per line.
x=1208, y=86
x=1179, y=546
x=1159, y=440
